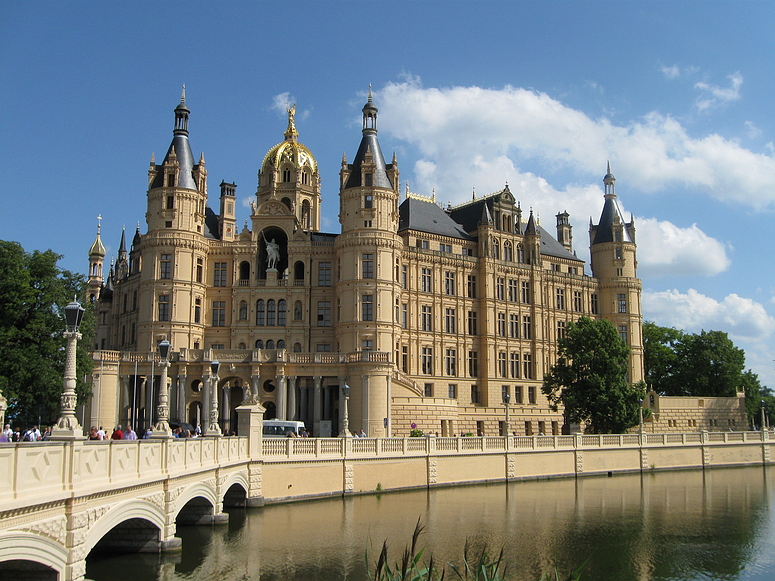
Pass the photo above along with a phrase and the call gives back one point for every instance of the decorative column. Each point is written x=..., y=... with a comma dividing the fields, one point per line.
x=291, y=412
x=67, y=427
x=213, y=429
x=225, y=407
x=162, y=427
x=281, y=397
x=303, y=401
x=316, y=403
x=182, y=386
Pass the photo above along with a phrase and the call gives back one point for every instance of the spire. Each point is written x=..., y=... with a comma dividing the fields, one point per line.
x=181, y=115
x=97, y=249
x=291, y=134
x=369, y=147
x=531, y=229
x=369, y=115
x=179, y=151
x=486, y=216
x=122, y=245
x=611, y=216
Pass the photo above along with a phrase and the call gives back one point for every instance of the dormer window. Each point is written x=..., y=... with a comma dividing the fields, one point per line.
x=171, y=180
x=367, y=181
x=170, y=202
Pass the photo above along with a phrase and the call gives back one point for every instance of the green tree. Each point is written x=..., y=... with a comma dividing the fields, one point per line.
x=659, y=354
x=33, y=293
x=590, y=378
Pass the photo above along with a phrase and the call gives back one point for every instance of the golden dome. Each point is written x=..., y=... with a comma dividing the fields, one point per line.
x=289, y=151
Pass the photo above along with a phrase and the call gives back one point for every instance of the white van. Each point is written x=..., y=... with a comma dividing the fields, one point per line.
x=281, y=428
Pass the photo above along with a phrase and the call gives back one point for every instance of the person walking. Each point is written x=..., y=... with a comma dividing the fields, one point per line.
x=130, y=434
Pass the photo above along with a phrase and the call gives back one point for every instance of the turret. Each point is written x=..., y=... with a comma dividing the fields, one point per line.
x=96, y=261
x=226, y=219
x=564, y=231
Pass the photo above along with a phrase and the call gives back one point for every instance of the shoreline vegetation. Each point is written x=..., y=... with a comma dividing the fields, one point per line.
x=479, y=566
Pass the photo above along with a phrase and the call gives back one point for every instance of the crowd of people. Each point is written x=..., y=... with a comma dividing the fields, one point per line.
x=33, y=434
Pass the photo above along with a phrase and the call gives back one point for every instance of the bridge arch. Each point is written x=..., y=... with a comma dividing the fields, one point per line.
x=199, y=490
x=122, y=512
x=35, y=548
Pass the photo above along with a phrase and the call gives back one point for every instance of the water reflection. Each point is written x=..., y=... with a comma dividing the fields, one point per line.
x=685, y=526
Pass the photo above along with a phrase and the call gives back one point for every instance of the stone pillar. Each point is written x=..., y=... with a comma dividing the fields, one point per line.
x=225, y=407
x=304, y=414
x=281, y=397
x=292, y=413
x=366, y=418
x=205, y=409
x=316, y=405
x=326, y=393
x=389, y=426
x=125, y=402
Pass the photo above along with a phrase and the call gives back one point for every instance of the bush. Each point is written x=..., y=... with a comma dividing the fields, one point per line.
x=415, y=433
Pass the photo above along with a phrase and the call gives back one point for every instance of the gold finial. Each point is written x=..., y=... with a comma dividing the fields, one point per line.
x=291, y=132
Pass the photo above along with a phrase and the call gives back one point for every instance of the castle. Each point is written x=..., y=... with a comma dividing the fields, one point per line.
x=429, y=316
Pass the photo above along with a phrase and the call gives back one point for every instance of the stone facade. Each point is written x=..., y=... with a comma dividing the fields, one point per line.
x=430, y=315
x=685, y=414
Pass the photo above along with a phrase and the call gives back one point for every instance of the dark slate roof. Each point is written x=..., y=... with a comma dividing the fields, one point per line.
x=380, y=177
x=427, y=217
x=469, y=215
x=211, y=224
x=604, y=232
x=186, y=160
x=551, y=247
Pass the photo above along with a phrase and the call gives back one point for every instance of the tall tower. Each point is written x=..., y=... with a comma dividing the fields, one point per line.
x=614, y=264
x=368, y=252
x=96, y=261
x=173, y=253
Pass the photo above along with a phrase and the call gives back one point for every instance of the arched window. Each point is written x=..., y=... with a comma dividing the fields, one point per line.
x=244, y=270
x=287, y=202
x=281, y=308
x=259, y=344
x=507, y=222
x=270, y=344
x=520, y=254
x=496, y=250
x=297, y=311
x=298, y=270
x=297, y=347
x=281, y=344
x=260, y=312
x=508, y=255
x=305, y=213
x=270, y=311
x=241, y=346
x=286, y=175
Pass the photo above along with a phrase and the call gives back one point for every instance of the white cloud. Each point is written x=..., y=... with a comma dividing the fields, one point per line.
x=666, y=249
x=742, y=318
x=282, y=102
x=715, y=96
x=671, y=72
x=752, y=130
x=472, y=136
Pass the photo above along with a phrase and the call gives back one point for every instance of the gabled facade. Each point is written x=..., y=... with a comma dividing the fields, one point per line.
x=429, y=315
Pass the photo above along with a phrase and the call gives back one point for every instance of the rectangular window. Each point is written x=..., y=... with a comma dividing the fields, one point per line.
x=518, y=394
x=198, y=311
x=450, y=362
x=623, y=333
x=621, y=301
x=367, y=266
x=219, y=274
x=560, y=329
x=531, y=394
x=428, y=390
x=426, y=285
x=449, y=283
x=500, y=286
x=593, y=304
x=426, y=322
x=405, y=358
x=502, y=324
x=473, y=364
x=618, y=253
x=514, y=365
x=526, y=292
x=427, y=360
x=502, y=364
x=404, y=315
x=471, y=286
x=452, y=391
x=134, y=300
x=368, y=199
x=324, y=313
x=474, y=393
x=219, y=313
x=577, y=301
x=513, y=296
x=164, y=307
x=367, y=345
x=472, y=322
x=514, y=326
x=165, y=266
x=199, y=270
x=404, y=277
x=560, y=298
x=324, y=274
x=504, y=392
x=367, y=307
x=527, y=366
x=445, y=248
x=527, y=332
x=323, y=347
x=449, y=321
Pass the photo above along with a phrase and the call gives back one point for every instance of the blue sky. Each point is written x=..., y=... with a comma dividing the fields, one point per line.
x=678, y=95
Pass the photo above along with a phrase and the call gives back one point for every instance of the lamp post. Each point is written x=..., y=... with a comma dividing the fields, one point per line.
x=67, y=427
x=162, y=427
x=345, y=420
x=507, y=425
x=763, y=426
x=213, y=429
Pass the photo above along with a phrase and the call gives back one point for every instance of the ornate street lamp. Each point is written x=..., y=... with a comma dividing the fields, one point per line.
x=507, y=426
x=213, y=429
x=162, y=427
x=67, y=427
x=345, y=420
x=763, y=426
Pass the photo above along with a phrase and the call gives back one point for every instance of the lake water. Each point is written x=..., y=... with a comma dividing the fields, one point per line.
x=677, y=526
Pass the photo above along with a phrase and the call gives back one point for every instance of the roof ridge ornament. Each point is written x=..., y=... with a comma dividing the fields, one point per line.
x=291, y=134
